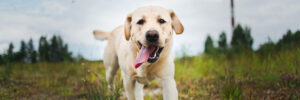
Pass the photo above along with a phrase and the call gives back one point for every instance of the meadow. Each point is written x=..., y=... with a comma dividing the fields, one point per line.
x=246, y=76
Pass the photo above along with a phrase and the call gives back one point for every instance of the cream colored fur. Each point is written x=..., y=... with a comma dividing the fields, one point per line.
x=122, y=48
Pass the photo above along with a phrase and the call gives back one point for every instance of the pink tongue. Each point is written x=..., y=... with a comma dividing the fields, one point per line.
x=143, y=56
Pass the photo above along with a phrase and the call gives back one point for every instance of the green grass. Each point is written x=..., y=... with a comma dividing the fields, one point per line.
x=239, y=77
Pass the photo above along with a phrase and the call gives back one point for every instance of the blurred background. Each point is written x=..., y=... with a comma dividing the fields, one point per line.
x=231, y=49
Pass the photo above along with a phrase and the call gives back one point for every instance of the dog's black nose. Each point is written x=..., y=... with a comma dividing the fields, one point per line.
x=152, y=36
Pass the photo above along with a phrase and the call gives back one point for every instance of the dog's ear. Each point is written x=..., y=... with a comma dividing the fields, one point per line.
x=127, y=26
x=176, y=24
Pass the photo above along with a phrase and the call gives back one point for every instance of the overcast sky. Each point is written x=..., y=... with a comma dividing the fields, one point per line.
x=75, y=20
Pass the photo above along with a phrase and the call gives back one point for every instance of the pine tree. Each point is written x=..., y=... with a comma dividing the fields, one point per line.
x=209, y=46
x=1, y=59
x=267, y=48
x=43, y=49
x=60, y=47
x=241, y=39
x=10, y=53
x=297, y=36
x=67, y=54
x=31, y=52
x=237, y=37
x=21, y=56
x=222, y=42
x=289, y=40
x=248, y=38
x=54, y=50
x=64, y=54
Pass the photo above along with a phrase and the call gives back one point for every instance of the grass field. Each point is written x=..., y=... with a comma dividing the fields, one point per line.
x=243, y=77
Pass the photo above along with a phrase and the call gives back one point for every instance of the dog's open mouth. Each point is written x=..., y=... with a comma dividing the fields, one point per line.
x=150, y=54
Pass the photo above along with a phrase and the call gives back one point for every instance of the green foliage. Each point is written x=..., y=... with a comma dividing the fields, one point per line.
x=6, y=73
x=1, y=59
x=289, y=81
x=289, y=40
x=58, y=51
x=32, y=54
x=53, y=51
x=245, y=76
x=63, y=80
x=267, y=48
x=272, y=72
x=248, y=38
x=232, y=91
x=209, y=45
x=10, y=53
x=43, y=49
x=241, y=42
x=222, y=42
x=99, y=91
x=241, y=39
x=21, y=55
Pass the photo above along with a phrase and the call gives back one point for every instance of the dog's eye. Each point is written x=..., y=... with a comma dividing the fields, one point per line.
x=141, y=22
x=161, y=21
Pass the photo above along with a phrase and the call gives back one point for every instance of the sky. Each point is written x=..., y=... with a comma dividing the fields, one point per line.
x=74, y=21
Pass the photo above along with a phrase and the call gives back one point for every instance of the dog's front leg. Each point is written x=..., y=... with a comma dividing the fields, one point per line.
x=139, y=91
x=128, y=86
x=169, y=89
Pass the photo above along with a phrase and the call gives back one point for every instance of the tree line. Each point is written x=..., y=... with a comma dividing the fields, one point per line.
x=52, y=50
x=242, y=42
x=290, y=40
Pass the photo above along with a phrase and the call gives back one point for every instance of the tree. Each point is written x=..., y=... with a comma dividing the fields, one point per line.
x=248, y=39
x=22, y=53
x=297, y=37
x=209, y=45
x=288, y=37
x=241, y=39
x=1, y=59
x=289, y=40
x=31, y=52
x=237, y=37
x=66, y=54
x=59, y=50
x=222, y=42
x=63, y=50
x=284, y=42
x=267, y=48
x=54, y=50
x=10, y=53
x=43, y=49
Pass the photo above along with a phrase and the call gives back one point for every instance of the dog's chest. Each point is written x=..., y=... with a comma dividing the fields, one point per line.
x=143, y=75
x=144, y=79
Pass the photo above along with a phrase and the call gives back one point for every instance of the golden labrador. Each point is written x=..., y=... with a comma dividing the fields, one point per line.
x=142, y=49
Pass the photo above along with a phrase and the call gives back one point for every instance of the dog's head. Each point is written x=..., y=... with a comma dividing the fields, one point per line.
x=150, y=28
